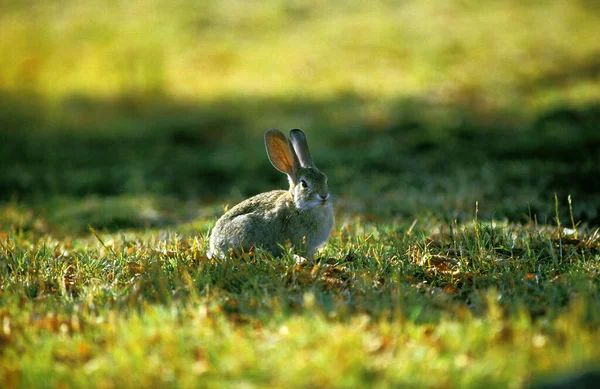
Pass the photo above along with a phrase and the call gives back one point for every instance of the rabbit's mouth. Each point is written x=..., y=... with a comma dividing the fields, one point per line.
x=323, y=198
x=322, y=201
x=314, y=203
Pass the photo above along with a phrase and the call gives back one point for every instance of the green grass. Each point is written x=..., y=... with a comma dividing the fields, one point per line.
x=461, y=143
x=434, y=305
x=521, y=56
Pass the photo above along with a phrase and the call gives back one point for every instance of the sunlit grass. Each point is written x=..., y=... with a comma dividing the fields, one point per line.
x=427, y=305
x=487, y=55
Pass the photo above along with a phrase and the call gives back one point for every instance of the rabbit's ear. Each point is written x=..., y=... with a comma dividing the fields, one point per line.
x=280, y=152
x=301, y=147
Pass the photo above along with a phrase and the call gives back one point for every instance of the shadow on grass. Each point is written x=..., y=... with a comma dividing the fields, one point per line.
x=586, y=380
x=419, y=155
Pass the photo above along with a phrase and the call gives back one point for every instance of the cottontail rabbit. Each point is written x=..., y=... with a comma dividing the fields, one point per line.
x=301, y=216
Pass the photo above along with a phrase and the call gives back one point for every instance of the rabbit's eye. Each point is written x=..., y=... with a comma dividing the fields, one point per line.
x=304, y=184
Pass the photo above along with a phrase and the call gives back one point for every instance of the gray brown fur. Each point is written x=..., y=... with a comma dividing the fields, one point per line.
x=301, y=216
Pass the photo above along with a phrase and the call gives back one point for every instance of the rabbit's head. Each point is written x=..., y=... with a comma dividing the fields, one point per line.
x=308, y=185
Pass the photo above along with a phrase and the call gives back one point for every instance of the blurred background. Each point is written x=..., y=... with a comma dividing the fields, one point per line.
x=144, y=113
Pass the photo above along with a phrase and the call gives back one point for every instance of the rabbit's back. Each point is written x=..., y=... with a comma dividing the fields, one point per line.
x=258, y=221
x=271, y=220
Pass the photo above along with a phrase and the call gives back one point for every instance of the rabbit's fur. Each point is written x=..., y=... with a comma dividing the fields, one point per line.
x=301, y=216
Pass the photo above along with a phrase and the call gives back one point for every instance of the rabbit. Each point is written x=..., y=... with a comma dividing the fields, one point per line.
x=301, y=216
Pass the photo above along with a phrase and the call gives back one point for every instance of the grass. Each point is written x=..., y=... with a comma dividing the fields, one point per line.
x=387, y=304
x=461, y=144
x=524, y=57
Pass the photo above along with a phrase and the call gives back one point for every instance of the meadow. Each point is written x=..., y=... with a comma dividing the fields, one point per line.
x=462, y=146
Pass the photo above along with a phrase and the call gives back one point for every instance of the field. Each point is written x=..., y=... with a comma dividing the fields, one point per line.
x=462, y=146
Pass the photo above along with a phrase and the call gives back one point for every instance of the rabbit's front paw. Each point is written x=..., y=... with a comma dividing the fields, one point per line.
x=299, y=260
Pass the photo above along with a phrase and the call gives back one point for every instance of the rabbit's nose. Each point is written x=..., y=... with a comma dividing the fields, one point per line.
x=321, y=197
